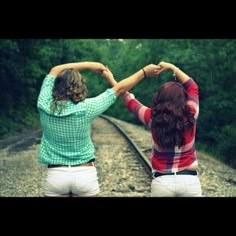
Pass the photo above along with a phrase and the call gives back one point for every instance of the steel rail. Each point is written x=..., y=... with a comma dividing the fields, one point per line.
x=142, y=157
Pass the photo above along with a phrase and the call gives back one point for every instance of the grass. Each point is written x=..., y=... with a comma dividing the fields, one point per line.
x=13, y=126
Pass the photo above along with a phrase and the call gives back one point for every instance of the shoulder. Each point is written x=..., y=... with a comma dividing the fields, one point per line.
x=107, y=96
x=48, y=80
x=190, y=83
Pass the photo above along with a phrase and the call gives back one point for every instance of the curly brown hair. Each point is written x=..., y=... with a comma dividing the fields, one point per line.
x=170, y=115
x=69, y=85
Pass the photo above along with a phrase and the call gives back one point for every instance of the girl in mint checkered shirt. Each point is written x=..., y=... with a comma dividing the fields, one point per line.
x=66, y=115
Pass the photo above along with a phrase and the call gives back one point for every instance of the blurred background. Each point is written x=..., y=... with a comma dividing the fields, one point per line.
x=24, y=64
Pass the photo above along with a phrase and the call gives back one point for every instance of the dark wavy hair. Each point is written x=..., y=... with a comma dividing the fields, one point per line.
x=69, y=85
x=169, y=113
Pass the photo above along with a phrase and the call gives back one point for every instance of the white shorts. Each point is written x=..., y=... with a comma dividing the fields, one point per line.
x=176, y=186
x=81, y=181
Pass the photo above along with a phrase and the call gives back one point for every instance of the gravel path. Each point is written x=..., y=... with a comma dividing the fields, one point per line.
x=217, y=179
x=120, y=173
x=21, y=175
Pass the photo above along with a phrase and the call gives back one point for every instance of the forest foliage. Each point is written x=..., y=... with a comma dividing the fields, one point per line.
x=211, y=62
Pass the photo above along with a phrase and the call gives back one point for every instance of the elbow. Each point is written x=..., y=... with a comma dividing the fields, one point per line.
x=121, y=91
x=54, y=70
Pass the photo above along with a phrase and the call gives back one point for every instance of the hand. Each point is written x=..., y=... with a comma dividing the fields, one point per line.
x=152, y=70
x=165, y=66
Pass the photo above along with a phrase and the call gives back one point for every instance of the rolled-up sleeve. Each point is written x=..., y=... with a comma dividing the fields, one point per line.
x=143, y=113
x=97, y=105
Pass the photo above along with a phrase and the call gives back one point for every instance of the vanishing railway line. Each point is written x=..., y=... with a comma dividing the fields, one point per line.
x=123, y=168
x=120, y=171
x=124, y=131
x=217, y=179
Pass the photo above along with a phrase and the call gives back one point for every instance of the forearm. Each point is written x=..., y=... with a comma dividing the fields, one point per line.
x=77, y=66
x=107, y=74
x=181, y=76
x=142, y=112
x=112, y=81
x=128, y=83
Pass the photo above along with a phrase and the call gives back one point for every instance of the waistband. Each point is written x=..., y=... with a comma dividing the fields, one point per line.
x=182, y=172
x=89, y=163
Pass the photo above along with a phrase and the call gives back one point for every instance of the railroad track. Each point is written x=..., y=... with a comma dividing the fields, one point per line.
x=144, y=159
x=119, y=172
x=123, y=168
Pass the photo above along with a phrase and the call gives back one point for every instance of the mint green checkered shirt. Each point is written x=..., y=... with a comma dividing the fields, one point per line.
x=66, y=136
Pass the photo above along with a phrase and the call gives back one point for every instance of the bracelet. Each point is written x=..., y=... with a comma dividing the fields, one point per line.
x=174, y=76
x=174, y=73
x=145, y=75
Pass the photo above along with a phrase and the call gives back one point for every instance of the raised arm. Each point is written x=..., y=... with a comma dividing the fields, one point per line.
x=107, y=74
x=95, y=66
x=129, y=82
x=181, y=76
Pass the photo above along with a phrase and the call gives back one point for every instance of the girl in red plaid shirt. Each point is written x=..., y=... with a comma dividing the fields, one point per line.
x=172, y=120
